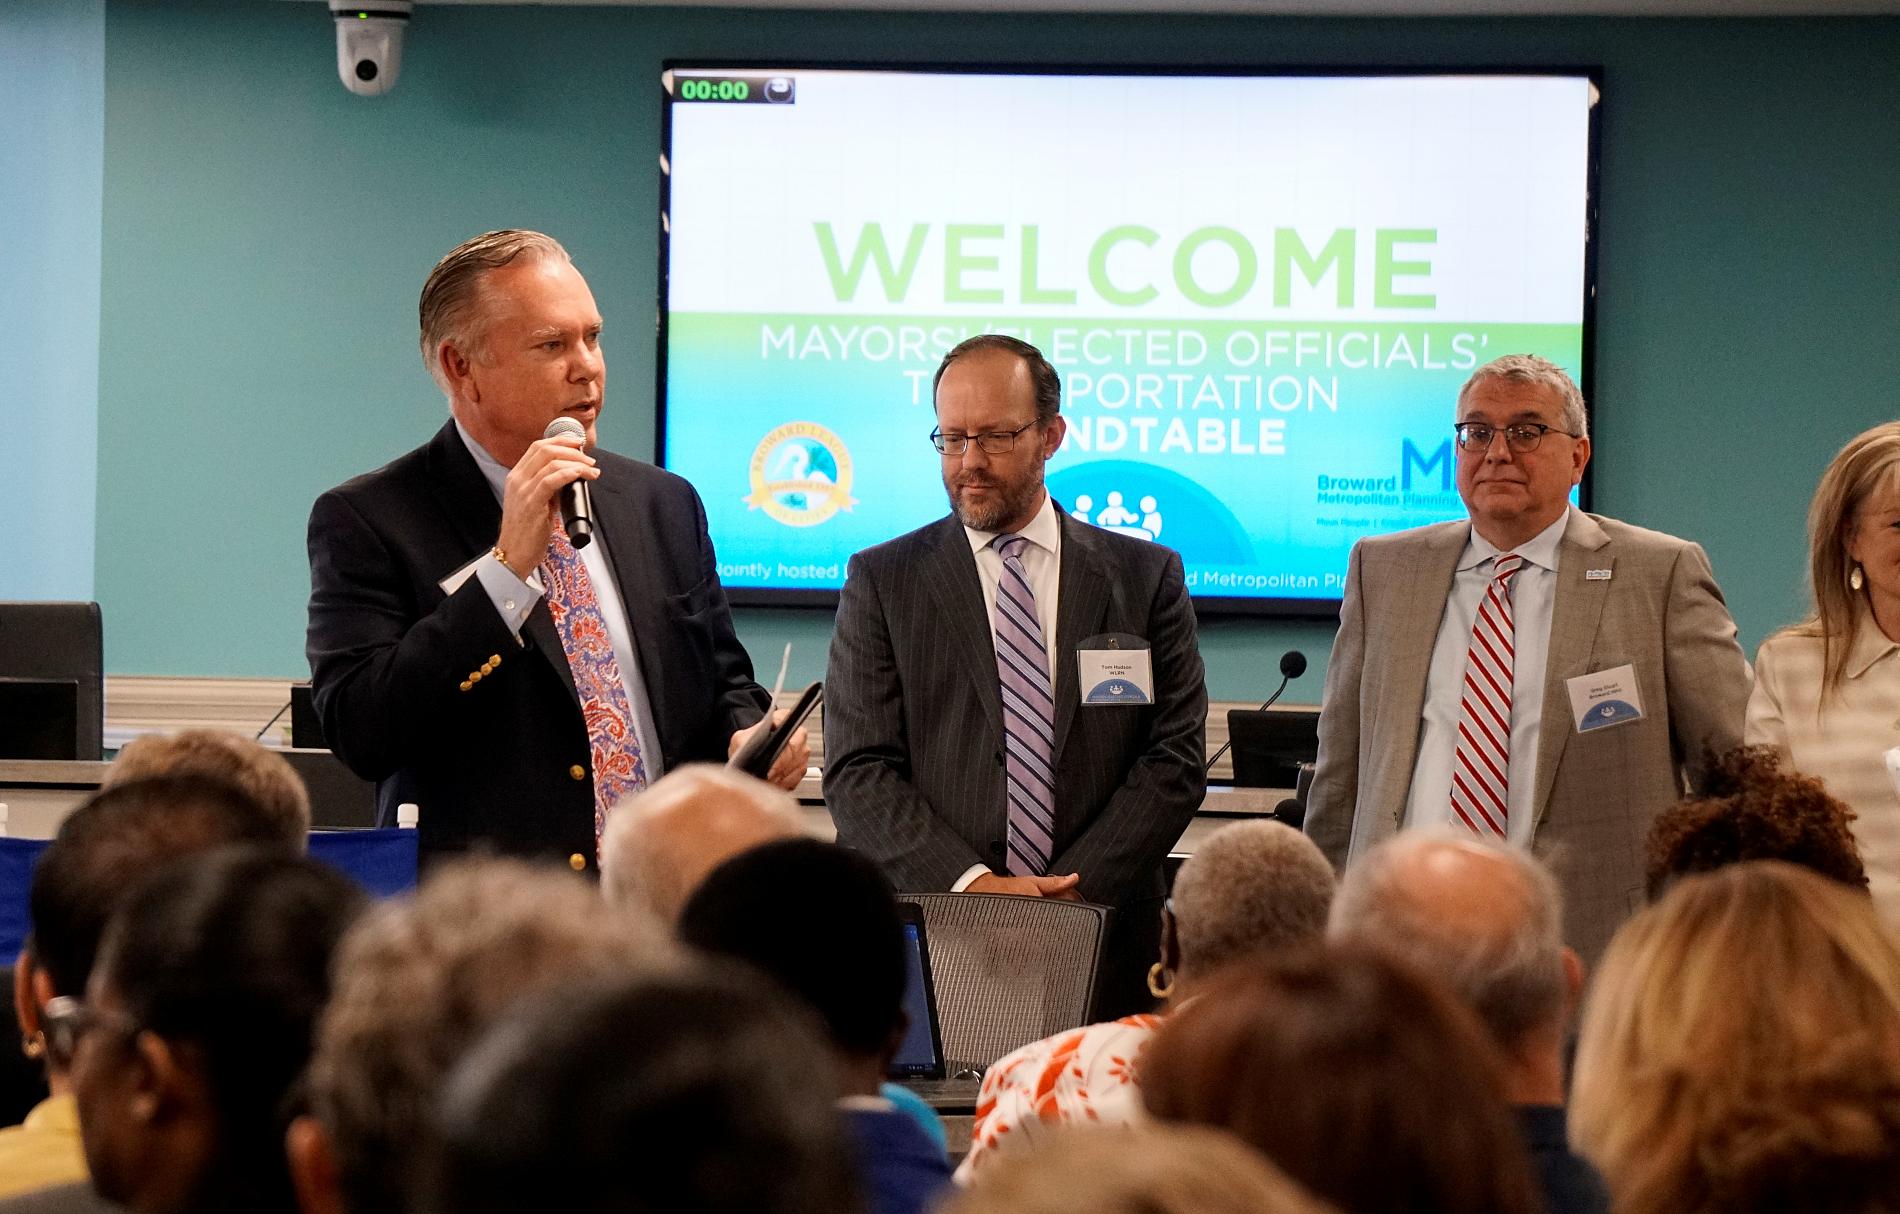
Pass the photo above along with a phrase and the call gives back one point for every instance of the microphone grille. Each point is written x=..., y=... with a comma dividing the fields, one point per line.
x=1292, y=664
x=565, y=426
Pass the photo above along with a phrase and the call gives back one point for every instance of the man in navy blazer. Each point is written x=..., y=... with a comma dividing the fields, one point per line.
x=917, y=718
x=437, y=668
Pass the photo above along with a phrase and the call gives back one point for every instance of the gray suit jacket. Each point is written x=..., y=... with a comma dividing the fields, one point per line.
x=1660, y=610
x=914, y=720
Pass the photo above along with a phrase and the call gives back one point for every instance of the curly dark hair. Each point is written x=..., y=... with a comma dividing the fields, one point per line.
x=1754, y=808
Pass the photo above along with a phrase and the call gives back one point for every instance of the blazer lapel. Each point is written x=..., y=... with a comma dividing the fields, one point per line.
x=1574, y=614
x=470, y=504
x=1423, y=580
x=1082, y=592
x=950, y=579
x=462, y=494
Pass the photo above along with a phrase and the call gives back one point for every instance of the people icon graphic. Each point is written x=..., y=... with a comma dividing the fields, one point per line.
x=1116, y=516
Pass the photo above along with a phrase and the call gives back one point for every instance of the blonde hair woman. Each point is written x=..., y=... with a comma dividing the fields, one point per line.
x=1740, y=1051
x=1827, y=691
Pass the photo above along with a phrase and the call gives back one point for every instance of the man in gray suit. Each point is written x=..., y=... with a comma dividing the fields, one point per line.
x=960, y=754
x=1538, y=673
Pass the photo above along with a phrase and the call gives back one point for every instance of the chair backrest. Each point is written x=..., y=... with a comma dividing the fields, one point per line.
x=1009, y=970
x=17, y=858
x=63, y=641
x=382, y=861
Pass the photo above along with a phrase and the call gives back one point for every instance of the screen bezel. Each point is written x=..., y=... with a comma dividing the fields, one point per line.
x=1222, y=605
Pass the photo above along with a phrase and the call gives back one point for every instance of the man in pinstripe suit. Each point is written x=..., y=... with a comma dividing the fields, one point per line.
x=958, y=753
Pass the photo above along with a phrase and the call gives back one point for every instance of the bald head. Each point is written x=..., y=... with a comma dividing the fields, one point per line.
x=1485, y=918
x=660, y=844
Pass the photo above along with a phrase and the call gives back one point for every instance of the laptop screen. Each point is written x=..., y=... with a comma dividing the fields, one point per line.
x=921, y=1054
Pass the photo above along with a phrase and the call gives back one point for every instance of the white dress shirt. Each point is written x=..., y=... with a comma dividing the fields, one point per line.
x=1844, y=741
x=514, y=599
x=1533, y=595
x=1042, y=565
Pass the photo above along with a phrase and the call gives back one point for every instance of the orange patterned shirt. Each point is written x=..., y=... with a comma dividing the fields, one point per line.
x=1085, y=1075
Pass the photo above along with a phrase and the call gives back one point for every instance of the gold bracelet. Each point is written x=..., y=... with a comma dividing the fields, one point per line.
x=499, y=554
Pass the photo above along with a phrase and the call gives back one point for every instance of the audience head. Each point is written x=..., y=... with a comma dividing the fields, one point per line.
x=1251, y=890
x=661, y=843
x=103, y=848
x=1741, y=1050
x=1752, y=808
x=1485, y=919
x=197, y=1022
x=822, y=923
x=1142, y=1169
x=417, y=981
x=1362, y=1080
x=259, y=772
x=1850, y=524
x=689, y=1093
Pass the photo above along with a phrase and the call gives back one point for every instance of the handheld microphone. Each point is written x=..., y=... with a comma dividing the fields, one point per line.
x=1292, y=666
x=577, y=503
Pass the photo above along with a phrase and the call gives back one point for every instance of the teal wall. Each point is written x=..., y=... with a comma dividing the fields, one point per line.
x=52, y=156
x=265, y=234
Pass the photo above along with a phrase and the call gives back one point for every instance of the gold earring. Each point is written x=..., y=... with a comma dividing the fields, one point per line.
x=33, y=1045
x=1856, y=579
x=1158, y=975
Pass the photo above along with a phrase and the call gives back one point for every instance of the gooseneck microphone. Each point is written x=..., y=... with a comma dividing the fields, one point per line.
x=1292, y=666
x=577, y=503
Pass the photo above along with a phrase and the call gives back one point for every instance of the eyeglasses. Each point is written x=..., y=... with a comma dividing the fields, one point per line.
x=994, y=442
x=1521, y=437
x=65, y=1020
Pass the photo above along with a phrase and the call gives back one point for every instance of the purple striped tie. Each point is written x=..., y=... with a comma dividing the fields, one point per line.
x=1029, y=715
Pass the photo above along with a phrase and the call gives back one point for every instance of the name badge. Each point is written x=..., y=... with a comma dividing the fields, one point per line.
x=1115, y=668
x=1605, y=698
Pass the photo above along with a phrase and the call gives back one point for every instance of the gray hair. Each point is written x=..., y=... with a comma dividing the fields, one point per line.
x=1498, y=946
x=1532, y=369
x=453, y=305
x=661, y=843
x=419, y=979
x=1252, y=888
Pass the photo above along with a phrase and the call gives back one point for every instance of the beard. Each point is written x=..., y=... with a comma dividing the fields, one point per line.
x=1007, y=501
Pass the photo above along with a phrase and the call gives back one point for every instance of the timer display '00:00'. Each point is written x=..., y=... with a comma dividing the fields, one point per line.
x=772, y=90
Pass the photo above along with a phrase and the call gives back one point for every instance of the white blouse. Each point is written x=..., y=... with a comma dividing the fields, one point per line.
x=1845, y=743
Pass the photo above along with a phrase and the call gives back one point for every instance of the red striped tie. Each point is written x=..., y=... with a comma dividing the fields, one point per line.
x=1481, y=764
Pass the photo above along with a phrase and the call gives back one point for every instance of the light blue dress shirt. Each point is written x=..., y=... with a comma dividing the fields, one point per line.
x=1533, y=596
x=514, y=599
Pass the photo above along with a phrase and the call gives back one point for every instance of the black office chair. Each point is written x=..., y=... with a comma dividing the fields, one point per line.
x=45, y=648
x=1009, y=970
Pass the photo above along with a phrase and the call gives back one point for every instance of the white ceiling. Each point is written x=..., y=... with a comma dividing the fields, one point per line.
x=1305, y=8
